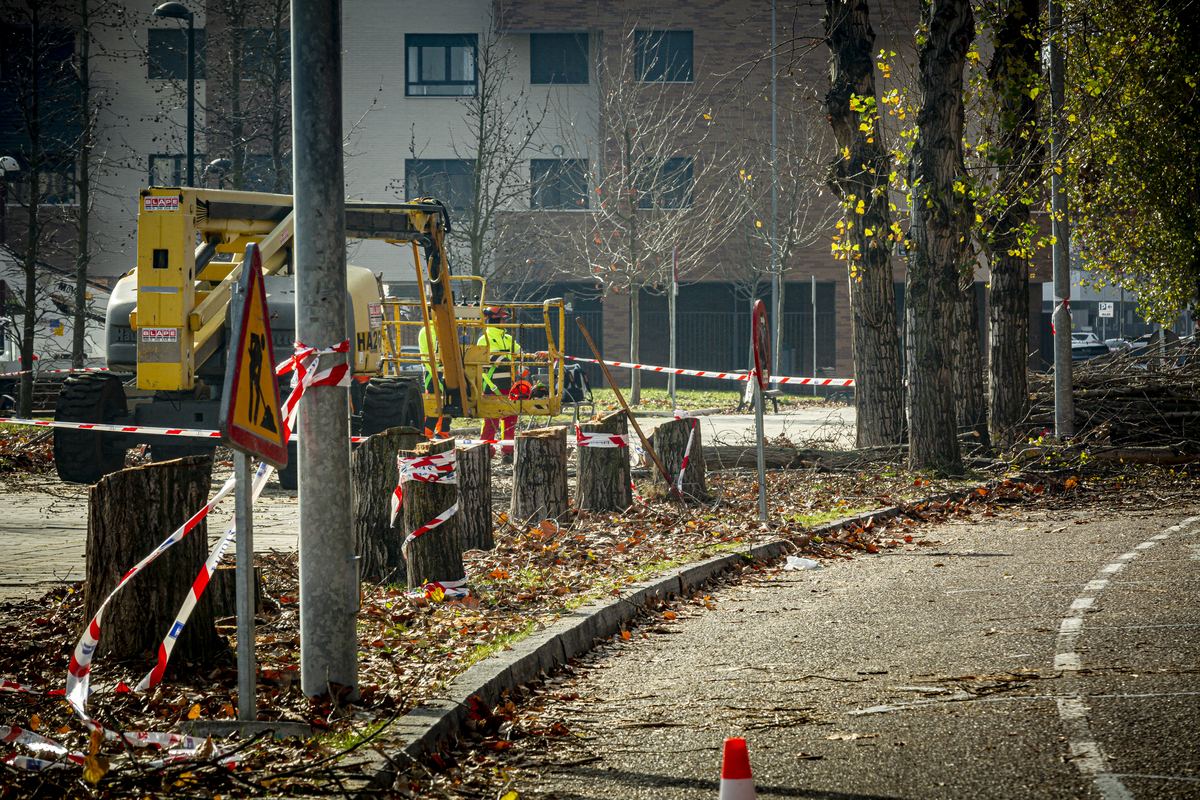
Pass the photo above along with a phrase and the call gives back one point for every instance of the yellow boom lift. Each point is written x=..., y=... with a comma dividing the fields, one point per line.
x=167, y=328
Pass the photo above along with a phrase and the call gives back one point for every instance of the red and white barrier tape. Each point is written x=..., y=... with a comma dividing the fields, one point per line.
x=52, y=371
x=686, y=452
x=199, y=585
x=305, y=361
x=13, y=686
x=436, y=468
x=80, y=666
x=600, y=439
x=38, y=744
x=725, y=376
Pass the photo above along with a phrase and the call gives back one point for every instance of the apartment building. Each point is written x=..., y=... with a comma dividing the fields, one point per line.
x=411, y=123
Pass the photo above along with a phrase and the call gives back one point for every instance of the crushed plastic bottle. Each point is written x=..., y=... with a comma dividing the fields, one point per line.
x=801, y=563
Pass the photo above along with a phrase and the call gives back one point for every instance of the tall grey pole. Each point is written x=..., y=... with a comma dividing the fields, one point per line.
x=776, y=303
x=671, y=310
x=191, y=100
x=244, y=525
x=760, y=455
x=1064, y=399
x=812, y=295
x=328, y=570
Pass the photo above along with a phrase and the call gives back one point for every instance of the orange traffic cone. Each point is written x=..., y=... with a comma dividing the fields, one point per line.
x=736, y=781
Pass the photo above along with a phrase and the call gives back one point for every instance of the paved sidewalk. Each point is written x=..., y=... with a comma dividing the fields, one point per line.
x=43, y=535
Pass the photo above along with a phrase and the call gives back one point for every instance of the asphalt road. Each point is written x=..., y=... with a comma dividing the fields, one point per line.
x=1031, y=655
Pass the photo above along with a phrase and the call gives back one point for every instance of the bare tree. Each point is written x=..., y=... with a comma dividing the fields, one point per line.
x=659, y=182
x=938, y=235
x=36, y=88
x=503, y=122
x=804, y=213
x=859, y=177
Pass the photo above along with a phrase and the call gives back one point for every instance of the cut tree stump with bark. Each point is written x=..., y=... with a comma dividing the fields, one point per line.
x=603, y=475
x=540, y=475
x=435, y=556
x=669, y=441
x=475, y=497
x=222, y=588
x=374, y=475
x=130, y=513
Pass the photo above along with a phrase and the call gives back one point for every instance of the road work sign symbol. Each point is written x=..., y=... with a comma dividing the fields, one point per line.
x=250, y=405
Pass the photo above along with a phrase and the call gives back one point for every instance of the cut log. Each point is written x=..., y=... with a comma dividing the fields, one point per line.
x=603, y=475
x=475, y=497
x=130, y=513
x=373, y=475
x=669, y=441
x=540, y=476
x=435, y=556
x=1145, y=455
x=222, y=587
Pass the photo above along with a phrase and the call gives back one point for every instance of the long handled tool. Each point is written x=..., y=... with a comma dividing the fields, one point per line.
x=628, y=413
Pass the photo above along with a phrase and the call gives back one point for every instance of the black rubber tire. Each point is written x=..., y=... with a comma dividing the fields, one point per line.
x=289, y=476
x=170, y=452
x=391, y=402
x=87, y=456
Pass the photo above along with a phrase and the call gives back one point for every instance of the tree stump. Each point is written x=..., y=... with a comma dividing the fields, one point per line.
x=603, y=476
x=222, y=588
x=540, y=475
x=475, y=497
x=669, y=441
x=374, y=475
x=434, y=556
x=130, y=513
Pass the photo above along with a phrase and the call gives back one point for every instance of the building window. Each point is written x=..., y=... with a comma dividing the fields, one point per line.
x=55, y=186
x=260, y=51
x=171, y=170
x=663, y=55
x=669, y=184
x=445, y=179
x=440, y=65
x=168, y=52
x=258, y=173
x=558, y=58
x=558, y=183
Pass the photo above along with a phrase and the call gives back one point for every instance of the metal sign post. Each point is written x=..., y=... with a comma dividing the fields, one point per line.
x=671, y=301
x=250, y=425
x=762, y=378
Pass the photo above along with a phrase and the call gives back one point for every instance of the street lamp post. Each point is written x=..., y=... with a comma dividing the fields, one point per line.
x=180, y=11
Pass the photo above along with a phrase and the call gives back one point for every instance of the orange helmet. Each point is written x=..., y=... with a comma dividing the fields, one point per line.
x=495, y=314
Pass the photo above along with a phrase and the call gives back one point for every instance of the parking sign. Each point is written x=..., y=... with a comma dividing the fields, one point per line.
x=1106, y=309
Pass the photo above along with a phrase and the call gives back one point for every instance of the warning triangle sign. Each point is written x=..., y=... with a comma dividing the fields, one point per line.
x=250, y=403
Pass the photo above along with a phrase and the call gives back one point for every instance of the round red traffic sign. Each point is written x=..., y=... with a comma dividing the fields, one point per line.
x=761, y=333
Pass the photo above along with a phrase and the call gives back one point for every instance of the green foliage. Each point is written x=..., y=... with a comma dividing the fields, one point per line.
x=1133, y=166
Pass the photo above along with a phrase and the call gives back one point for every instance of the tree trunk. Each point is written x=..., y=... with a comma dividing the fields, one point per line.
x=669, y=441
x=635, y=336
x=475, y=497
x=1015, y=67
x=222, y=588
x=969, y=407
x=434, y=556
x=540, y=475
x=602, y=482
x=940, y=225
x=859, y=179
x=373, y=476
x=129, y=514
x=83, y=186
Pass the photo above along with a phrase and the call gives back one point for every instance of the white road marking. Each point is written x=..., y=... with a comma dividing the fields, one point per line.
x=1085, y=750
x=963, y=697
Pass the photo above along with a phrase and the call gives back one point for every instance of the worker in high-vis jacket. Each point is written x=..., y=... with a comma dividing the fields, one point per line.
x=498, y=378
x=427, y=344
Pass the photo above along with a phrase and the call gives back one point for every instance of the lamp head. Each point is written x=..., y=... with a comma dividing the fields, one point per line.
x=9, y=164
x=219, y=165
x=173, y=11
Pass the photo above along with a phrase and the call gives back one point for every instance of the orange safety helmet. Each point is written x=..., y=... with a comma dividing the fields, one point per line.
x=495, y=314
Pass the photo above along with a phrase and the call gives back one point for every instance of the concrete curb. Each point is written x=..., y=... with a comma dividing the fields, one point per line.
x=426, y=728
